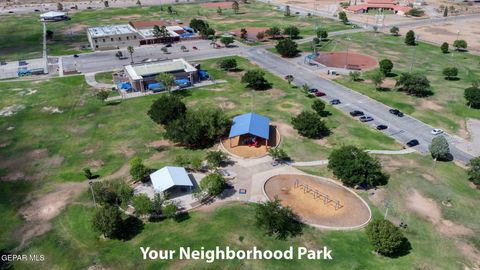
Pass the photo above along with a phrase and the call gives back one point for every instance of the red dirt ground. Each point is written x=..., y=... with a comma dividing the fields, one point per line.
x=353, y=212
x=217, y=5
x=339, y=60
x=251, y=32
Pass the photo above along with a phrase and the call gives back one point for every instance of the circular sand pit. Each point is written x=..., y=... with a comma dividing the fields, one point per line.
x=217, y=5
x=314, y=200
x=348, y=60
x=237, y=146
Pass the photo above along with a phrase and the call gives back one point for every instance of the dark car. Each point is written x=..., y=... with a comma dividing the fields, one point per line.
x=319, y=94
x=3, y=63
x=312, y=90
x=396, y=112
x=365, y=118
x=412, y=143
x=335, y=101
x=37, y=10
x=22, y=63
x=382, y=127
x=356, y=113
x=168, y=45
x=75, y=55
x=11, y=11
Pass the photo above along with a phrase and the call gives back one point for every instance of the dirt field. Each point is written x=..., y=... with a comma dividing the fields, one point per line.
x=246, y=151
x=313, y=211
x=447, y=32
x=342, y=59
x=251, y=32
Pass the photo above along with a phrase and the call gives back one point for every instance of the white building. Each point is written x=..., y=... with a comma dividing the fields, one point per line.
x=170, y=177
x=54, y=16
x=113, y=37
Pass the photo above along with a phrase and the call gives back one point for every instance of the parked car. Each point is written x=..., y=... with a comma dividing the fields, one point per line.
x=365, y=118
x=319, y=94
x=195, y=48
x=382, y=127
x=335, y=101
x=412, y=143
x=168, y=45
x=356, y=113
x=312, y=90
x=11, y=11
x=37, y=10
x=396, y=112
x=436, y=131
x=3, y=63
x=75, y=55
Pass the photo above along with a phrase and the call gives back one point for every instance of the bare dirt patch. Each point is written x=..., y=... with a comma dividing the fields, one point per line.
x=391, y=164
x=11, y=110
x=342, y=59
x=378, y=196
x=33, y=165
x=388, y=83
x=428, y=104
x=314, y=210
x=41, y=209
x=286, y=130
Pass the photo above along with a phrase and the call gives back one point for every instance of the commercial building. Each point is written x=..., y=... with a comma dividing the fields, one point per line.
x=112, y=37
x=142, y=76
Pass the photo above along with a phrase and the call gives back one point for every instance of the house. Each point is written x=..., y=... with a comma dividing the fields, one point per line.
x=54, y=16
x=142, y=76
x=378, y=5
x=169, y=178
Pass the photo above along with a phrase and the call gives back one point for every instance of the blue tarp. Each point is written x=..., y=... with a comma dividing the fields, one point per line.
x=182, y=82
x=203, y=74
x=152, y=86
x=186, y=34
x=188, y=28
x=250, y=123
x=125, y=85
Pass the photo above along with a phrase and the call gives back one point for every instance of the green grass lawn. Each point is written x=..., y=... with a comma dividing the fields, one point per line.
x=447, y=108
x=26, y=41
x=104, y=77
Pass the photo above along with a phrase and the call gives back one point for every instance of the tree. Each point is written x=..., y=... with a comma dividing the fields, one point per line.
x=88, y=173
x=213, y=184
x=319, y=107
x=287, y=48
x=142, y=204
x=394, y=30
x=439, y=148
x=322, y=34
x=170, y=10
x=235, y=7
x=460, y=44
x=105, y=3
x=199, y=194
x=445, y=12
x=226, y=41
x=386, y=238
x=410, y=39
x=289, y=79
x=183, y=48
x=59, y=6
x=170, y=210
x=139, y=3
x=474, y=170
x=278, y=154
x=343, y=17
x=292, y=31
x=167, y=79
x=131, y=50
x=228, y=64
x=209, y=32
x=198, y=25
x=450, y=73
x=198, y=128
x=160, y=32
x=414, y=84
x=354, y=75
x=472, y=95
x=243, y=33
x=219, y=11
x=310, y=125
x=444, y=47
x=107, y=221
x=102, y=95
x=124, y=193
x=415, y=12
x=315, y=41
x=276, y=220
x=255, y=79
x=157, y=203
x=377, y=78
x=260, y=35
x=105, y=192
x=354, y=166
x=49, y=34
x=166, y=109
x=287, y=11
x=215, y=158
x=273, y=32
x=138, y=170
x=386, y=66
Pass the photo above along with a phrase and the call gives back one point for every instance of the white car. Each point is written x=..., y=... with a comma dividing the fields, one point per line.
x=437, y=131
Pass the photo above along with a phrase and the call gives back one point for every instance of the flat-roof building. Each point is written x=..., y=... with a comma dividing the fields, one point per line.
x=142, y=76
x=54, y=16
x=112, y=37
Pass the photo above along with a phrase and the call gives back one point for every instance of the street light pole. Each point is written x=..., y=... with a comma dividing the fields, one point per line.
x=90, y=183
x=417, y=37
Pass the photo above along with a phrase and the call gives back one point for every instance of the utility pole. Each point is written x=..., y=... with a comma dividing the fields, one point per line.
x=90, y=183
x=45, y=57
x=387, y=206
x=417, y=37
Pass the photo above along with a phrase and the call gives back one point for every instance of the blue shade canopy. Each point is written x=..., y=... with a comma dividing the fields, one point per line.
x=250, y=123
x=168, y=177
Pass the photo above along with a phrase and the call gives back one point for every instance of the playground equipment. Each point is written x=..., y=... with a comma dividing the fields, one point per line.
x=317, y=194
